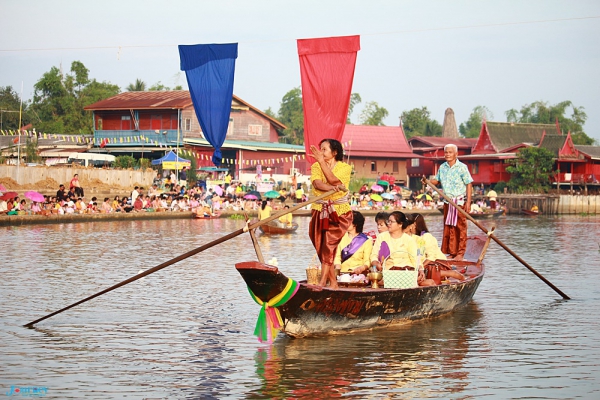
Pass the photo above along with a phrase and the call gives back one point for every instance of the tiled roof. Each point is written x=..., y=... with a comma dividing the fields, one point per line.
x=376, y=141
x=436, y=141
x=155, y=99
x=554, y=143
x=508, y=134
x=592, y=151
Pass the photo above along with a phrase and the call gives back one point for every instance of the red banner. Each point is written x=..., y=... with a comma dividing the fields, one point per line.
x=326, y=72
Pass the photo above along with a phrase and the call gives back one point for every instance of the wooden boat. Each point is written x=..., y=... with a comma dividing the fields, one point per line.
x=201, y=216
x=274, y=228
x=314, y=310
x=487, y=215
x=529, y=212
x=484, y=215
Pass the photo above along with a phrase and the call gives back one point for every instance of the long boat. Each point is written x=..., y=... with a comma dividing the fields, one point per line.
x=483, y=215
x=529, y=212
x=487, y=215
x=274, y=228
x=315, y=310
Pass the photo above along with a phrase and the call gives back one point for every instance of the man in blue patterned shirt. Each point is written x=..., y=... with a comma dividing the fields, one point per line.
x=456, y=181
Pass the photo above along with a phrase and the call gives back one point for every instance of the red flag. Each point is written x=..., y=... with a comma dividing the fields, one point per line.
x=104, y=142
x=17, y=140
x=326, y=72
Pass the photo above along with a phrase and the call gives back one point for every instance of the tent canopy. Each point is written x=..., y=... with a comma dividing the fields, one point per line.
x=172, y=161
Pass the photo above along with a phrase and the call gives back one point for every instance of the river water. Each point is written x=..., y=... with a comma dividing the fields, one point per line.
x=186, y=331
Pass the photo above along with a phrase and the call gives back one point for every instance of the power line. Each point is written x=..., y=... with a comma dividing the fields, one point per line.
x=542, y=21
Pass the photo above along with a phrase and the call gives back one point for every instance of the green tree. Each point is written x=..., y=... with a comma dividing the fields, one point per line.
x=10, y=104
x=58, y=100
x=31, y=150
x=531, y=170
x=354, y=100
x=291, y=114
x=540, y=112
x=158, y=86
x=138, y=86
x=372, y=114
x=125, y=162
x=270, y=113
x=472, y=127
x=418, y=122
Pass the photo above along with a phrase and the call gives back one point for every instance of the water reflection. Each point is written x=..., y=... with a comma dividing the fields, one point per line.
x=402, y=360
x=186, y=331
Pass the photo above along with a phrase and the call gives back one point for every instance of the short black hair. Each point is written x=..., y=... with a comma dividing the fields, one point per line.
x=382, y=216
x=400, y=218
x=336, y=147
x=358, y=220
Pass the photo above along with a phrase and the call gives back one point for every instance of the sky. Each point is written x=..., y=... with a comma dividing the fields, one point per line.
x=414, y=53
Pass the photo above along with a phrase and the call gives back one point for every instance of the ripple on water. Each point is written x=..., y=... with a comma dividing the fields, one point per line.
x=186, y=331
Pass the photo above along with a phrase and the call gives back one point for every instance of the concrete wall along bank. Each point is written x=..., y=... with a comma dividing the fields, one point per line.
x=576, y=204
x=28, y=175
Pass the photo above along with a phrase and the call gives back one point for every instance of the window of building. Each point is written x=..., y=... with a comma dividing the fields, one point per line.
x=255, y=130
x=156, y=121
x=125, y=123
x=414, y=162
x=230, y=127
x=187, y=124
x=395, y=166
x=474, y=167
x=99, y=124
x=373, y=166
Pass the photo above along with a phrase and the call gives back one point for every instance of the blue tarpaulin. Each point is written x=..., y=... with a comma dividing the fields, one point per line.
x=209, y=69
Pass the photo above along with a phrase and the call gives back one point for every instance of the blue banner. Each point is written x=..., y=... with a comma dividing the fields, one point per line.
x=209, y=69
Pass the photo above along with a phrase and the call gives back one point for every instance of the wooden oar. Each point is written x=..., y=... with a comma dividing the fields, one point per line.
x=490, y=234
x=186, y=255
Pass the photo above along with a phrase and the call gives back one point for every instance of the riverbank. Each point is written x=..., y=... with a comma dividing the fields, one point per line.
x=17, y=220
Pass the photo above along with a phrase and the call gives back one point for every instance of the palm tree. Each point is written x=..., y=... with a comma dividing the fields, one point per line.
x=139, y=86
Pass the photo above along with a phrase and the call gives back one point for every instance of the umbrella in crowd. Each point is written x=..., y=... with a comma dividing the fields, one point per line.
x=376, y=197
x=383, y=183
x=377, y=188
x=35, y=196
x=272, y=194
x=255, y=193
x=424, y=196
x=388, y=196
x=2, y=188
x=8, y=195
x=250, y=197
x=218, y=190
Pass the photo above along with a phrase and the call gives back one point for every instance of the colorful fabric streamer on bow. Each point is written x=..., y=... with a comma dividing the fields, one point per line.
x=269, y=321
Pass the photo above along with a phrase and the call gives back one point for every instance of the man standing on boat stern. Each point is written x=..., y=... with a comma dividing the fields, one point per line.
x=456, y=181
x=332, y=216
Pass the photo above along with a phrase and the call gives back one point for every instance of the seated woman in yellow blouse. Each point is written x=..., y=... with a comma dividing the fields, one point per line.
x=286, y=220
x=354, y=251
x=403, y=249
x=264, y=211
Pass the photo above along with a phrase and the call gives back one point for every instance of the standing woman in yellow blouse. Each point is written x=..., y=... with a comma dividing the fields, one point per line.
x=332, y=216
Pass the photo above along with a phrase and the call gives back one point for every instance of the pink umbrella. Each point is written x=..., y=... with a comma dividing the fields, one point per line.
x=250, y=197
x=377, y=188
x=35, y=196
x=2, y=188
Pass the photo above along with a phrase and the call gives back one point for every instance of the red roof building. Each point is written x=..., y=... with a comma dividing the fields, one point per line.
x=375, y=151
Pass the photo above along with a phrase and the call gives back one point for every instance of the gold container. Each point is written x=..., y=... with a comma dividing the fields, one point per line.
x=375, y=277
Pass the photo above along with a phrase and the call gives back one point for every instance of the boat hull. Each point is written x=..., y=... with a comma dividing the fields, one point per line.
x=487, y=215
x=314, y=310
x=273, y=229
x=529, y=212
